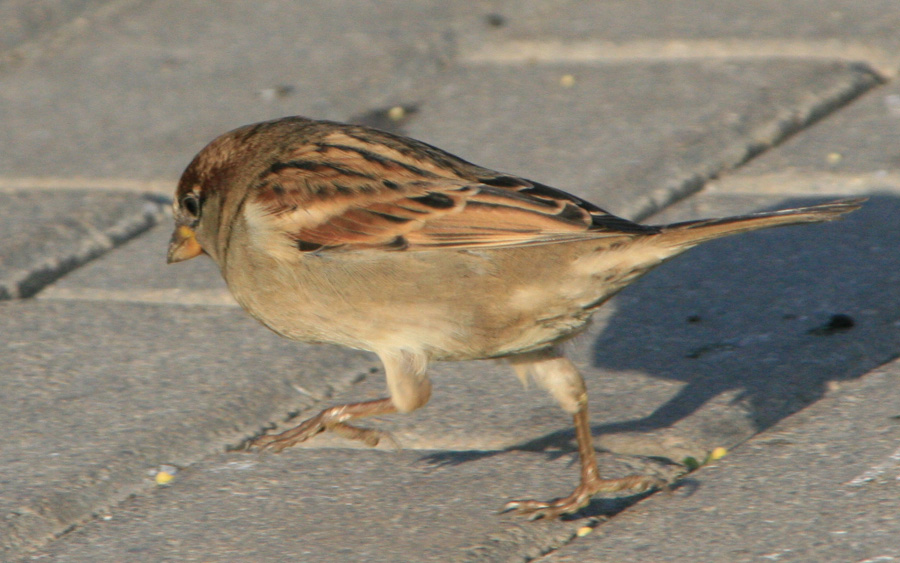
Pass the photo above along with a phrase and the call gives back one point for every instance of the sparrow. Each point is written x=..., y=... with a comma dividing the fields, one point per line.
x=337, y=233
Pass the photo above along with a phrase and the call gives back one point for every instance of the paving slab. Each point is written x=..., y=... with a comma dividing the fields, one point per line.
x=684, y=29
x=94, y=396
x=47, y=233
x=631, y=110
x=820, y=486
x=328, y=505
x=140, y=90
x=853, y=151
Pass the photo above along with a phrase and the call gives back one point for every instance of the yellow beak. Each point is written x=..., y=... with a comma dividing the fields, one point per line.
x=183, y=245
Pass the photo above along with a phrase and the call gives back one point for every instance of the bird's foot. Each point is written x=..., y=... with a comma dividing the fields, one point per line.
x=581, y=496
x=332, y=419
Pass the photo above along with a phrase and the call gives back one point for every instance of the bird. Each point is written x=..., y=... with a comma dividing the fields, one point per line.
x=339, y=233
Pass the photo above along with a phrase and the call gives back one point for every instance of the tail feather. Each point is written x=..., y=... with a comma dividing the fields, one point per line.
x=691, y=233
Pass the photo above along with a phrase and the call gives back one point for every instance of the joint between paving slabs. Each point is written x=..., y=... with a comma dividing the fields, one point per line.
x=765, y=139
x=27, y=283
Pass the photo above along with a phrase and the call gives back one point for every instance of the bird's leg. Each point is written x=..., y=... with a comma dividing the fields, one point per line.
x=590, y=484
x=334, y=419
x=560, y=377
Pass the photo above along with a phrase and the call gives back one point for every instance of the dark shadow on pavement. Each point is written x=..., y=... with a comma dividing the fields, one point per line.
x=775, y=315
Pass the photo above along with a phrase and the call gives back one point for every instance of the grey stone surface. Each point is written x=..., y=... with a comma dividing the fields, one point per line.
x=117, y=368
x=337, y=505
x=673, y=29
x=48, y=233
x=821, y=486
x=92, y=397
x=24, y=21
x=137, y=93
x=853, y=151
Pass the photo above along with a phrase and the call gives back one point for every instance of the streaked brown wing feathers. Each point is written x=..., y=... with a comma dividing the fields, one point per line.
x=344, y=194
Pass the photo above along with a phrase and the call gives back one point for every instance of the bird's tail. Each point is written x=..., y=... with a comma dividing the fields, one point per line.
x=690, y=233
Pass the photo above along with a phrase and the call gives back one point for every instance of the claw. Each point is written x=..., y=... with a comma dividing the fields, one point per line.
x=535, y=510
x=369, y=436
x=293, y=436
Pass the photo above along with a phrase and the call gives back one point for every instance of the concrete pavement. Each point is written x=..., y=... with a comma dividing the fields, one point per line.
x=115, y=365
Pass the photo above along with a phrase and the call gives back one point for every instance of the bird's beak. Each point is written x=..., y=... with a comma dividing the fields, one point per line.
x=183, y=245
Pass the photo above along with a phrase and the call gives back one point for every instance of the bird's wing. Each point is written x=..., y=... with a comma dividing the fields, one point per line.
x=353, y=195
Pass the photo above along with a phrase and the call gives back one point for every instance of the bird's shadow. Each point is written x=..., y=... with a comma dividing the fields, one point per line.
x=772, y=317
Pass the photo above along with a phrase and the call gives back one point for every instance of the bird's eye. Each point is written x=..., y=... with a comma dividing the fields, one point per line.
x=191, y=205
